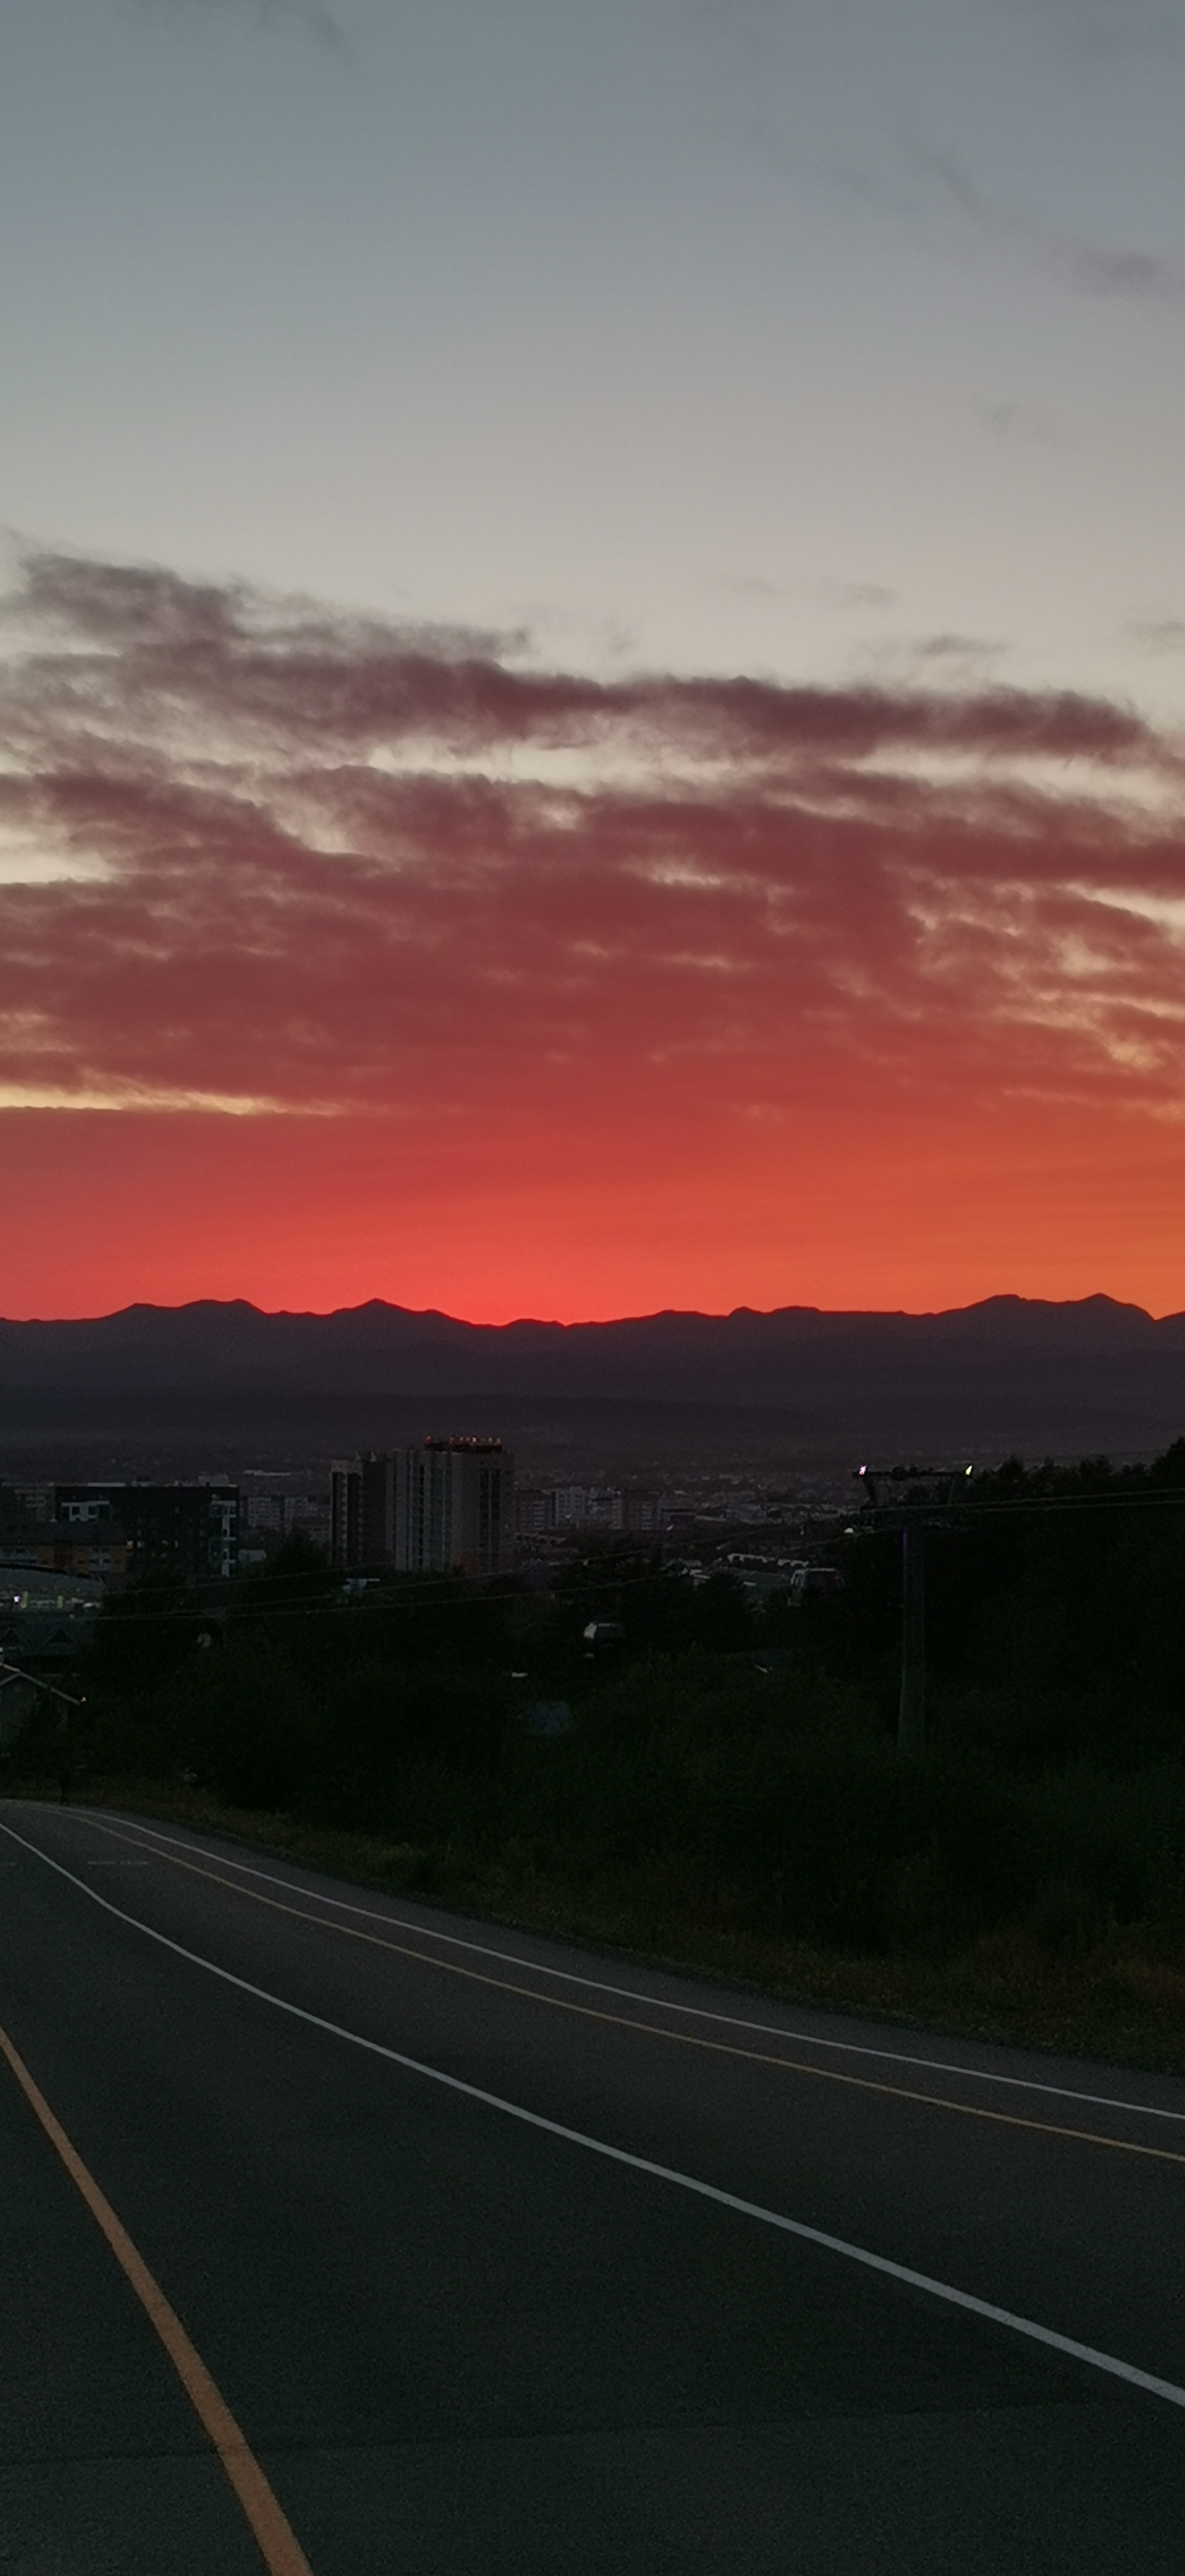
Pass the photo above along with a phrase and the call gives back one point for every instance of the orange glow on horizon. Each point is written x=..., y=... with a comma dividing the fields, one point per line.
x=103, y=1211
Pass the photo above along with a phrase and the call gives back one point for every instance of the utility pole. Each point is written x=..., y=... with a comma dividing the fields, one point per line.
x=911, y=1715
x=911, y=1499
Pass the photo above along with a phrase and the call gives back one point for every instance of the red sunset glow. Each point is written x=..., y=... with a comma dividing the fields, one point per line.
x=344, y=960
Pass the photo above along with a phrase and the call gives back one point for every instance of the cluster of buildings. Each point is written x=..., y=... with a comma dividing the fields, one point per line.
x=63, y=1547
x=448, y=1503
x=443, y=1504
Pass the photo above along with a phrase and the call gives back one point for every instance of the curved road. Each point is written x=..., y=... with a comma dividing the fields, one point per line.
x=340, y=2234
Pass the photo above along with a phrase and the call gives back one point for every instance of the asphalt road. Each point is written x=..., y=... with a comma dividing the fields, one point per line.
x=461, y=2341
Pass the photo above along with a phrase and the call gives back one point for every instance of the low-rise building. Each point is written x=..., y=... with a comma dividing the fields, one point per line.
x=45, y=1616
x=181, y=1533
x=634, y=1508
x=55, y=1548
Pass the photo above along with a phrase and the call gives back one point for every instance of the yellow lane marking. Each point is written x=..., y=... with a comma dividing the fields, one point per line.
x=657, y=2030
x=280, y=2549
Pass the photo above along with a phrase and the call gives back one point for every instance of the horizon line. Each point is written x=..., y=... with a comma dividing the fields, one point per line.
x=592, y=1323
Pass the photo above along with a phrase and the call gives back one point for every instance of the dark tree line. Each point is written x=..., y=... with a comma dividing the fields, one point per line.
x=738, y=1752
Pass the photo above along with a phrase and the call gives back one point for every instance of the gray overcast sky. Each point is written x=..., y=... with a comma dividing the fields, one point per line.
x=813, y=337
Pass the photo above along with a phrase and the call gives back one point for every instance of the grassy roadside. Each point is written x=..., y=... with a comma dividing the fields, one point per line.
x=1121, y=1999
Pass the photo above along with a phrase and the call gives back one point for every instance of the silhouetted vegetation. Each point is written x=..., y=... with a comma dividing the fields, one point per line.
x=731, y=1762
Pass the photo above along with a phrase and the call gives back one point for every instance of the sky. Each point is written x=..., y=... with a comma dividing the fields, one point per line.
x=592, y=653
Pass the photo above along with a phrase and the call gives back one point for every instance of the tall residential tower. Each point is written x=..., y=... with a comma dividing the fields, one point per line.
x=447, y=1504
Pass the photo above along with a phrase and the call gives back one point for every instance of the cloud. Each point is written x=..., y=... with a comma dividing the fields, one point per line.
x=1020, y=421
x=749, y=585
x=1160, y=634
x=1093, y=268
x=278, y=858
x=960, y=662
x=1109, y=29
x=310, y=17
x=857, y=594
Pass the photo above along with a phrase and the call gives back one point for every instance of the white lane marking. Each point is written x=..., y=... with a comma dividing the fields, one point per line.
x=880, y=2263
x=630, y=1994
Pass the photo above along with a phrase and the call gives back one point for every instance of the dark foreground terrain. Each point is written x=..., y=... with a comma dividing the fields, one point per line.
x=719, y=1782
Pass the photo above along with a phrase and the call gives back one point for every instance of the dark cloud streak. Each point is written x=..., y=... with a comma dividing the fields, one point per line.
x=1094, y=268
x=308, y=17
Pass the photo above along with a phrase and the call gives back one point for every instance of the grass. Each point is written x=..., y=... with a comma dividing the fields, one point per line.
x=1122, y=1998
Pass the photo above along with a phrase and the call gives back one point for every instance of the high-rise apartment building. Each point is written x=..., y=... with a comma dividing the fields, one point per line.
x=449, y=1503
x=362, y=1514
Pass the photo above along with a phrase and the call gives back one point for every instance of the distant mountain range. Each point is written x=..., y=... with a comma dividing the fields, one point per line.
x=800, y=1385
